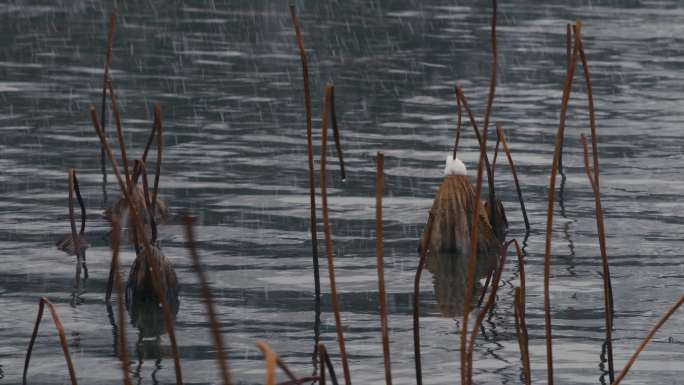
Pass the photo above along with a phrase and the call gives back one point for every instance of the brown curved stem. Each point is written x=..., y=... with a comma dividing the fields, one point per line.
x=416, y=300
x=607, y=286
x=325, y=358
x=336, y=133
x=138, y=225
x=496, y=154
x=514, y=172
x=271, y=360
x=380, y=268
x=568, y=59
x=75, y=239
x=121, y=340
x=648, y=338
x=488, y=168
x=160, y=146
x=459, y=112
x=472, y=259
x=140, y=165
x=549, y=213
x=119, y=134
x=62, y=340
x=105, y=80
x=521, y=331
x=312, y=183
x=221, y=357
x=329, y=245
x=607, y=297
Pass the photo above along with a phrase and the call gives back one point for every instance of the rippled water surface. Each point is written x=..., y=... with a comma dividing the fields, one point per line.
x=228, y=78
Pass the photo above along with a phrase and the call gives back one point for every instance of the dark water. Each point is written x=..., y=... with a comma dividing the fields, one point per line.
x=228, y=78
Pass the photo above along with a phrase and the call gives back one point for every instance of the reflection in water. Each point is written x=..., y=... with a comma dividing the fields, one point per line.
x=150, y=349
x=115, y=329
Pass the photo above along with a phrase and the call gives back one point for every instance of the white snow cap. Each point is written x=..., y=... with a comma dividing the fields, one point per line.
x=454, y=166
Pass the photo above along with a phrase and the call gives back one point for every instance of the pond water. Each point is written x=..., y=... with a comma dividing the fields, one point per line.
x=228, y=78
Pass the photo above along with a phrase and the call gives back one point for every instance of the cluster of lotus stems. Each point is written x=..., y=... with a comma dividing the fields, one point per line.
x=462, y=235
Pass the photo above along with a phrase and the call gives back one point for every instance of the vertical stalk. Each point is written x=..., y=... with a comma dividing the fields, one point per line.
x=221, y=357
x=488, y=168
x=120, y=312
x=336, y=134
x=75, y=239
x=312, y=183
x=379, y=252
x=459, y=112
x=105, y=80
x=502, y=138
x=160, y=146
x=416, y=300
x=472, y=259
x=329, y=244
x=119, y=133
x=549, y=213
x=594, y=149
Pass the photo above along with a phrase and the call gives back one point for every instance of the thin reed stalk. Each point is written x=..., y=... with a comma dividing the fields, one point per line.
x=514, y=172
x=606, y=277
x=79, y=198
x=328, y=242
x=568, y=60
x=521, y=331
x=138, y=226
x=496, y=153
x=325, y=358
x=647, y=339
x=81, y=232
x=121, y=340
x=140, y=165
x=105, y=80
x=472, y=259
x=416, y=300
x=596, y=187
x=492, y=81
x=62, y=340
x=119, y=135
x=549, y=213
x=480, y=139
x=283, y=366
x=336, y=133
x=271, y=360
x=160, y=146
x=459, y=113
x=221, y=356
x=493, y=220
x=150, y=138
x=380, y=268
x=75, y=239
x=312, y=183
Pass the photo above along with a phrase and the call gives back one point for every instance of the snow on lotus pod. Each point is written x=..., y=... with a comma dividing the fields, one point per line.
x=449, y=247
